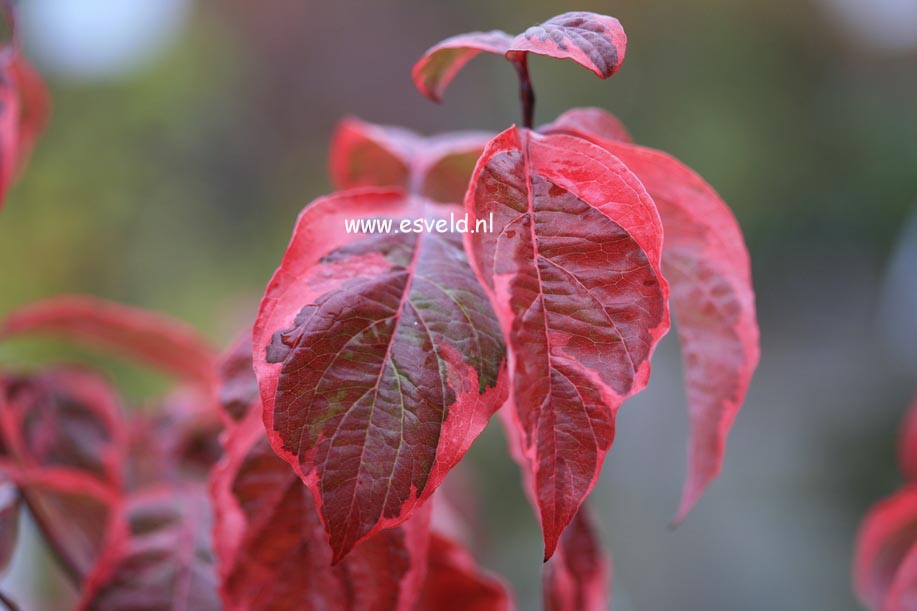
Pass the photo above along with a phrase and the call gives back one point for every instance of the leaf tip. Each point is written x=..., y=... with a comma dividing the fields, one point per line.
x=550, y=546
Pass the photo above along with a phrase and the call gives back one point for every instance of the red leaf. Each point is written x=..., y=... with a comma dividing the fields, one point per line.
x=903, y=593
x=34, y=106
x=448, y=163
x=9, y=130
x=438, y=167
x=64, y=418
x=238, y=384
x=578, y=575
x=272, y=547
x=907, y=443
x=63, y=430
x=589, y=123
x=439, y=65
x=367, y=155
x=572, y=268
x=9, y=520
x=596, y=42
x=455, y=582
x=24, y=108
x=152, y=338
x=177, y=443
x=157, y=557
x=707, y=265
x=374, y=407
x=887, y=535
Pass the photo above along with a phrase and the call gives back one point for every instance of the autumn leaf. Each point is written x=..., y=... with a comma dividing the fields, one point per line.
x=596, y=42
x=707, y=265
x=886, y=541
x=24, y=109
x=270, y=541
x=579, y=574
x=176, y=441
x=9, y=131
x=439, y=65
x=572, y=268
x=238, y=390
x=62, y=433
x=437, y=167
x=455, y=582
x=595, y=124
x=379, y=361
x=157, y=556
x=151, y=338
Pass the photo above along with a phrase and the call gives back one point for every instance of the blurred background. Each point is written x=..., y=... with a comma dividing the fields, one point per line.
x=186, y=136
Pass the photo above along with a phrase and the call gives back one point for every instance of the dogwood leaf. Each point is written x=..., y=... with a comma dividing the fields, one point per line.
x=454, y=581
x=270, y=541
x=589, y=123
x=572, y=268
x=34, y=106
x=157, y=557
x=887, y=536
x=65, y=424
x=24, y=108
x=707, y=265
x=238, y=384
x=579, y=574
x=176, y=442
x=9, y=130
x=379, y=361
x=439, y=65
x=149, y=337
x=596, y=42
x=437, y=167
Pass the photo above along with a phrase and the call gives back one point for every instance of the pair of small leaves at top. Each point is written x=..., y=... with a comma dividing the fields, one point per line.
x=885, y=560
x=596, y=42
x=74, y=457
x=705, y=258
x=273, y=550
x=24, y=109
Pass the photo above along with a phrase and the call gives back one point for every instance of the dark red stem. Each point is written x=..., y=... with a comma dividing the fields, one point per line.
x=526, y=93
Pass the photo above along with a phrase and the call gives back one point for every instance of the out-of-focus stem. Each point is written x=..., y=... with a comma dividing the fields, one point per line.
x=526, y=93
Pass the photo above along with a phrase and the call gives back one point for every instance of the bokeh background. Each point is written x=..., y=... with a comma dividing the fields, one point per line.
x=187, y=135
